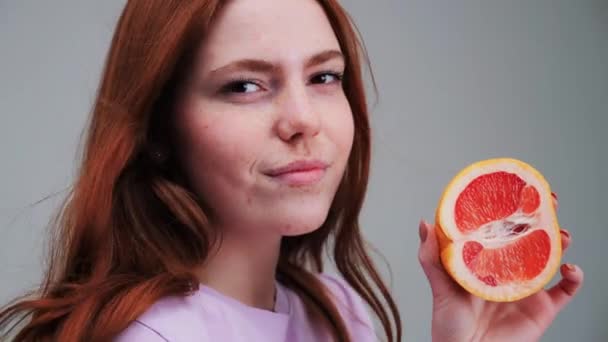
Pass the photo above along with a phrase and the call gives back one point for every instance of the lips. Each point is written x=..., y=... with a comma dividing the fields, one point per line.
x=298, y=166
x=301, y=172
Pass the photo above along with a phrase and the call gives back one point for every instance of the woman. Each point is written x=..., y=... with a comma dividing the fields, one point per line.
x=229, y=146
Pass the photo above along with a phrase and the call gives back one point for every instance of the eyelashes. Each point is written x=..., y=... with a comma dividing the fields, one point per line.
x=242, y=86
x=322, y=78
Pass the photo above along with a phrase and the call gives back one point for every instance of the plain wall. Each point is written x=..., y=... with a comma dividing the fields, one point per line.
x=458, y=81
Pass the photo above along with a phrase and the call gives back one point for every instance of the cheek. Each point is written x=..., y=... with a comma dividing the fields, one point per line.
x=219, y=150
x=341, y=127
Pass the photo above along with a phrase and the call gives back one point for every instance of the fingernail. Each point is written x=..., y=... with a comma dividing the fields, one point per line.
x=422, y=231
x=570, y=267
x=565, y=233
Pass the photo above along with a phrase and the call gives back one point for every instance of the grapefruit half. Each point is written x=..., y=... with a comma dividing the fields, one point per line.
x=497, y=230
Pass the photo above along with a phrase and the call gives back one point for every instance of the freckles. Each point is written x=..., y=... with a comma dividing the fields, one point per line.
x=290, y=229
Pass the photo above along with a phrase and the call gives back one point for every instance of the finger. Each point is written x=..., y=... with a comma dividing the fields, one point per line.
x=428, y=256
x=565, y=239
x=555, y=201
x=563, y=292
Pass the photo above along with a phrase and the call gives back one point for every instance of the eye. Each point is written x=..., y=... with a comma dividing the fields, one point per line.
x=326, y=78
x=242, y=87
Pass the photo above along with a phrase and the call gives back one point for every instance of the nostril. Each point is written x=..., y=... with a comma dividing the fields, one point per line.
x=296, y=136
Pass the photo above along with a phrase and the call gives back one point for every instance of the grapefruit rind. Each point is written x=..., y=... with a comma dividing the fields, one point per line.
x=451, y=240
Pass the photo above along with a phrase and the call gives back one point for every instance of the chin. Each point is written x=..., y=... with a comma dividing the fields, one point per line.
x=301, y=221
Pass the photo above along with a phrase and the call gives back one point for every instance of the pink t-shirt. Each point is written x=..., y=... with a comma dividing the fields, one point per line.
x=208, y=315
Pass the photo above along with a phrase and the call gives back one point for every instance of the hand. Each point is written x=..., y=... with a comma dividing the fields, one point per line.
x=462, y=317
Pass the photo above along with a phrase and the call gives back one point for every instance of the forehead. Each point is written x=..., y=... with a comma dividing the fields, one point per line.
x=285, y=31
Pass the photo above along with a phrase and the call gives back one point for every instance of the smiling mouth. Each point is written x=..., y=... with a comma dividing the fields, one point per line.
x=299, y=173
x=299, y=178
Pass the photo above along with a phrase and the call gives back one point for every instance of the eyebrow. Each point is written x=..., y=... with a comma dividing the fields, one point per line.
x=264, y=66
x=323, y=57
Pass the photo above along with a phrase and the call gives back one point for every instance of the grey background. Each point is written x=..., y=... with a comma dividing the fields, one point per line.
x=458, y=81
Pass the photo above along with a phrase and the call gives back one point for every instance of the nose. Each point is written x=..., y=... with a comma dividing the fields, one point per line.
x=297, y=117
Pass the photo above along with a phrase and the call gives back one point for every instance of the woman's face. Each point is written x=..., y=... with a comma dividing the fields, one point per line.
x=264, y=127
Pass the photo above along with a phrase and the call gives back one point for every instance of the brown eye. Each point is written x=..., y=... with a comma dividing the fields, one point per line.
x=240, y=87
x=326, y=77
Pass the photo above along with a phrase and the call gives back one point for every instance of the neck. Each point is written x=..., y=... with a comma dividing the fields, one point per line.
x=244, y=268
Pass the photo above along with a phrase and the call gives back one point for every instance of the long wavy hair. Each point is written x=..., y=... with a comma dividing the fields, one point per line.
x=131, y=232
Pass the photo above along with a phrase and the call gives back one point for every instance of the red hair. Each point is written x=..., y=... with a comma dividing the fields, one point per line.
x=131, y=232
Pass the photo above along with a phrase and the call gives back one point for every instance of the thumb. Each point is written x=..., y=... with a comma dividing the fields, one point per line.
x=428, y=256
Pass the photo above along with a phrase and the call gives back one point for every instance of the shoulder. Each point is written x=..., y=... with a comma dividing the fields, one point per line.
x=138, y=331
x=175, y=318
x=350, y=304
